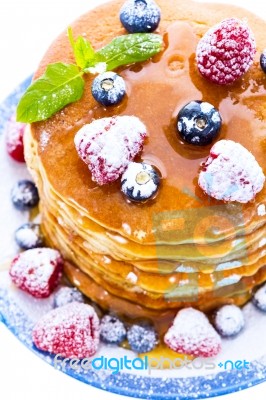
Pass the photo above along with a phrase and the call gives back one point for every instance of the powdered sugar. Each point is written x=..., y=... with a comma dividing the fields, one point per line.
x=130, y=181
x=226, y=51
x=71, y=331
x=108, y=145
x=66, y=295
x=260, y=298
x=229, y=320
x=37, y=271
x=191, y=333
x=140, y=15
x=231, y=173
x=14, y=133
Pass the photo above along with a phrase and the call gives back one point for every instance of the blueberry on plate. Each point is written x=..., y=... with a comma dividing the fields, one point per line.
x=263, y=61
x=142, y=339
x=229, y=320
x=139, y=16
x=259, y=299
x=29, y=236
x=112, y=330
x=140, y=182
x=66, y=295
x=24, y=195
x=108, y=88
x=198, y=123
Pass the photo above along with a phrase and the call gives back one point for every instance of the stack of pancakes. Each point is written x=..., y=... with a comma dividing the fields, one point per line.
x=182, y=248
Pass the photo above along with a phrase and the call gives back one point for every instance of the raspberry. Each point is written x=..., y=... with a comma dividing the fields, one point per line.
x=231, y=173
x=108, y=145
x=71, y=331
x=14, y=140
x=37, y=271
x=226, y=51
x=192, y=334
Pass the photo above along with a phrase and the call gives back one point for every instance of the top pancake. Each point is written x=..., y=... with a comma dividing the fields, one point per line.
x=157, y=90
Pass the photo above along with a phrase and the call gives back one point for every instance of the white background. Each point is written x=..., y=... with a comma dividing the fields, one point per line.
x=26, y=29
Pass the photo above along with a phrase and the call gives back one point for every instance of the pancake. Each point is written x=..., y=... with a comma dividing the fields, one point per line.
x=182, y=248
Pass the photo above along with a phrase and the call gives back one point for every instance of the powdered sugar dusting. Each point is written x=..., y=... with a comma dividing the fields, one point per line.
x=231, y=173
x=108, y=145
x=37, y=271
x=191, y=333
x=14, y=133
x=229, y=320
x=260, y=298
x=146, y=11
x=71, y=331
x=226, y=51
x=129, y=181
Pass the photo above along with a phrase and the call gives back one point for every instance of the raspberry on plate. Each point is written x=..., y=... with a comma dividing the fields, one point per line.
x=14, y=139
x=231, y=173
x=37, y=271
x=192, y=334
x=108, y=145
x=71, y=331
x=226, y=51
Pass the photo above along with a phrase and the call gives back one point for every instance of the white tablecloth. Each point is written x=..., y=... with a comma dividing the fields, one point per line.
x=26, y=29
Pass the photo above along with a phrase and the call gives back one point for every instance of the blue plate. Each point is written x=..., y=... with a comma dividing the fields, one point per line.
x=178, y=388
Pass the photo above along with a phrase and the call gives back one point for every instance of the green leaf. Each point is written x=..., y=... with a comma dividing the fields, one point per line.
x=83, y=50
x=60, y=85
x=128, y=49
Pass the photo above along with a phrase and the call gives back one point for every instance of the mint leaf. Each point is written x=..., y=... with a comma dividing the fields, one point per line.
x=83, y=50
x=130, y=49
x=60, y=85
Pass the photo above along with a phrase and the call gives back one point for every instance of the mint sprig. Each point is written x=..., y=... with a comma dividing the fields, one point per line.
x=62, y=84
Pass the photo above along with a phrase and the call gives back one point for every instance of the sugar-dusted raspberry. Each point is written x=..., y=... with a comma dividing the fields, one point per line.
x=37, y=271
x=192, y=334
x=226, y=51
x=71, y=331
x=231, y=173
x=108, y=145
x=14, y=134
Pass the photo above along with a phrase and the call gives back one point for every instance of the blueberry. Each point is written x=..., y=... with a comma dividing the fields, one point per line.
x=142, y=339
x=138, y=16
x=263, y=61
x=112, y=330
x=108, y=88
x=229, y=320
x=198, y=123
x=29, y=236
x=24, y=195
x=259, y=300
x=140, y=182
x=66, y=295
